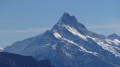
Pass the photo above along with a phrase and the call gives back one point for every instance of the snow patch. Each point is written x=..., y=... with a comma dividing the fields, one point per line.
x=57, y=35
x=54, y=47
x=107, y=46
x=46, y=45
x=1, y=49
x=74, y=31
x=82, y=48
x=109, y=41
x=115, y=41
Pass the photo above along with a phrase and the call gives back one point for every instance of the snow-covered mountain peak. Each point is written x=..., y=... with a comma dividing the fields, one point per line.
x=68, y=43
x=67, y=19
x=69, y=25
x=114, y=36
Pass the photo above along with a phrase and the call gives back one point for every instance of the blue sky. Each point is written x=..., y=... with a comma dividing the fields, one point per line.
x=20, y=19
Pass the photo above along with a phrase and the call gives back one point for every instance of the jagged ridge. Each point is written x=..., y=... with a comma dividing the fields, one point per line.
x=70, y=44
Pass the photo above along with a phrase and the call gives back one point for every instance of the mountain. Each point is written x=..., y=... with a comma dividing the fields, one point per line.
x=114, y=36
x=14, y=60
x=70, y=44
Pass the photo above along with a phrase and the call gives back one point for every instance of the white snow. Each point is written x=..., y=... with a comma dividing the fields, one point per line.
x=74, y=31
x=46, y=45
x=70, y=41
x=57, y=35
x=107, y=46
x=81, y=48
x=54, y=47
x=92, y=38
x=1, y=49
x=115, y=41
x=109, y=41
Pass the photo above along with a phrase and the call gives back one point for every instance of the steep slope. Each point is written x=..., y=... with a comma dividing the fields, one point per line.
x=14, y=60
x=70, y=44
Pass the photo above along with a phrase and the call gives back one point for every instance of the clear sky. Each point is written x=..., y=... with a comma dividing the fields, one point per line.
x=20, y=19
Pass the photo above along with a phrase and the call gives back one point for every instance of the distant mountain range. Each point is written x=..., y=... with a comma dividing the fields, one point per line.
x=14, y=60
x=70, y=44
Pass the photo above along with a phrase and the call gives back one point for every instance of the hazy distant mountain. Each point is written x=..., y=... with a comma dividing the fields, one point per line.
x=14, y=60
x=70, y=44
